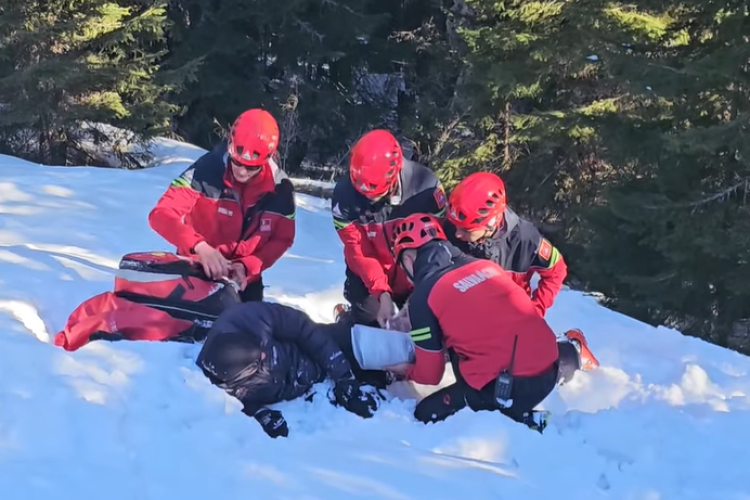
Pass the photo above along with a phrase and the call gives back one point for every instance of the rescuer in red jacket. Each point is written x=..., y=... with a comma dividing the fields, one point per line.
x=233, y=208
x=480, y=224
x=505, y=357
x=381, y=188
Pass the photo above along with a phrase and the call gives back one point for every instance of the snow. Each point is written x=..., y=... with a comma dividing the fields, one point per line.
x=315, y=183
x=663, y=418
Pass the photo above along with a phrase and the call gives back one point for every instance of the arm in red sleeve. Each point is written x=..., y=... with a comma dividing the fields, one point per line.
x=367, y=268
x=167, y=218
x=429, y=365
x=356, y=248
x=552, y=270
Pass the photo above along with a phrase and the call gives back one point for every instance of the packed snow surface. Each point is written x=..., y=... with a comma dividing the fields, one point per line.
x=665, y=417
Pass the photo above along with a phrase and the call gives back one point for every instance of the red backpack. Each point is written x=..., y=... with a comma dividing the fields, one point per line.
x=157, y=296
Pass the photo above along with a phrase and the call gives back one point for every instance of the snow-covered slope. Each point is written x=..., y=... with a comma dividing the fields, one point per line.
x=666, y=416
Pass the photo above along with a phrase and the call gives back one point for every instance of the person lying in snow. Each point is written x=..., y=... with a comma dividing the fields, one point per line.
x=264, y=353
x=504, y=355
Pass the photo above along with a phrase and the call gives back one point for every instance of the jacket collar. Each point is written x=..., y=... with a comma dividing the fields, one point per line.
x=510, y=221
x=434, y=257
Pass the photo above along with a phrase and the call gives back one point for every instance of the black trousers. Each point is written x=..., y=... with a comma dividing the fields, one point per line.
x=364, y=307
x=527, y=393
x=570, y=361
x=253, y=292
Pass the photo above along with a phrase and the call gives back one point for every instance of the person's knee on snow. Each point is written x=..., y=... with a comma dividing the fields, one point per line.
x=570, y=361
x=441, y=404
x=526, y=394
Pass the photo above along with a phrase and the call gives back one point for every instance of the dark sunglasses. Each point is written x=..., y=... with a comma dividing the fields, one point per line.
x=254, y=168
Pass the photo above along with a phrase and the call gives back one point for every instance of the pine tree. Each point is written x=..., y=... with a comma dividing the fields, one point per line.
x=671, y=245
x=529, y=100
x=71, y=70
x=300, y=59
x=424, y=42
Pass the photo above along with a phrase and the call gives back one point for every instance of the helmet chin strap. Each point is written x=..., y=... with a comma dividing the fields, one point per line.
x=395, y=189
x=489, y=231
x=493, y=227
x=409, y=275
x=385, y=197
x=400, y=263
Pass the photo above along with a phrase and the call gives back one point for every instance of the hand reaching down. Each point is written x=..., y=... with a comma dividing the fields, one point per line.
x=238, y=274
x=273, y=422
x=215, y=265
x=401, y=322
x=385, y=311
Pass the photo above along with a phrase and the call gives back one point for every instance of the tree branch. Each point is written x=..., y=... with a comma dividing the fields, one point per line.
x=722, y=195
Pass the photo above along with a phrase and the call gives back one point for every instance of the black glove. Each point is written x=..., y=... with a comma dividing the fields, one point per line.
x=272, y=422
x=356, y=397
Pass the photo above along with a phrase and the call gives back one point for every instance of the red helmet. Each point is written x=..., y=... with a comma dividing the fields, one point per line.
x=477, y=202
x=375, y=163
x=253, y=138
x=414, y=231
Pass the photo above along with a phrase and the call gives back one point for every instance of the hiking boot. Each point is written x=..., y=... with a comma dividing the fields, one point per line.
x=588, y=360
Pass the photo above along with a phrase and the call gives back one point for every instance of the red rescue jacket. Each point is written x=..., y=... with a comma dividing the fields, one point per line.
x=364, y=227
x=473, y=307
x=253, y=223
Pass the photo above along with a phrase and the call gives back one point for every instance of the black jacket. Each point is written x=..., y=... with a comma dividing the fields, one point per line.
x=263, y=353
